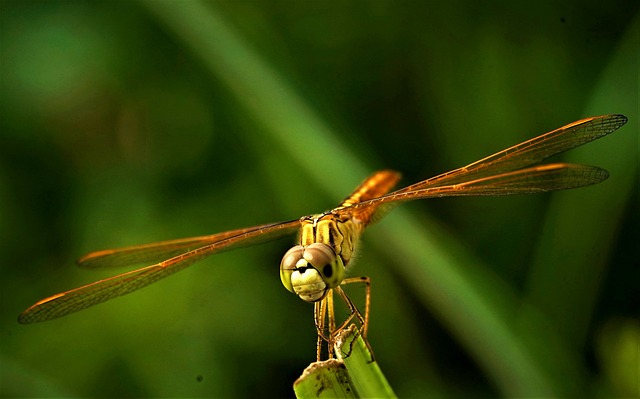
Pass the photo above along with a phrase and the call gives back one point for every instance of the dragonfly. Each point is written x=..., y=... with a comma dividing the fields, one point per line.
x=317, y=266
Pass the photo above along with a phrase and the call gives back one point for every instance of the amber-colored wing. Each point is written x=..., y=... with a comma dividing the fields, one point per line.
x=158, y=251
x=374, y=186
x=179, y=254
x=510, y=172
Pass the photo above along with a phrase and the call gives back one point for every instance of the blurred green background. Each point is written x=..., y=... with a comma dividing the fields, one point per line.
x=130, y=122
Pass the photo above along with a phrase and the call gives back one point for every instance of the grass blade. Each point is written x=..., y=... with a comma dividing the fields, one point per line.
x=326, y=379
x=364, y=372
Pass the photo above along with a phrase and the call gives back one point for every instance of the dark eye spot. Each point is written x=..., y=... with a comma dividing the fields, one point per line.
x=327, y=270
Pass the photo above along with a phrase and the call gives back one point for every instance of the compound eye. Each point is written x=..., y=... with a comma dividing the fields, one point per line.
x=288, y=265
x=326, y=262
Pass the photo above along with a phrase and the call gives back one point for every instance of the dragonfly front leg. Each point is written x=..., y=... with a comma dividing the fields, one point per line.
x=324, y=316
x=354, y=311
x=325, y=319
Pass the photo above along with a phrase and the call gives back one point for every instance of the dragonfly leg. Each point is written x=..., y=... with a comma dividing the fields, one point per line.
x=325, y=317
x=353, y=312
x=364, y=321
x=319, y=314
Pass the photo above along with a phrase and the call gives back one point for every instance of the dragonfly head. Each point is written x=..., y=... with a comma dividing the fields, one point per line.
x=311, y=271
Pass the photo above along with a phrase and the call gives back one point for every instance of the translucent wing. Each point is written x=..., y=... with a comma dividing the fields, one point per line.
x=159, y=251
x=507, y=172
x=529, y=152
x=374, y=186
x=183, y=256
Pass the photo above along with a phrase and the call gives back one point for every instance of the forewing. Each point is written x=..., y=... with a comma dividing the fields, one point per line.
x=156, y=252
x=506, y=172
x=103, y=290
x=529, y=152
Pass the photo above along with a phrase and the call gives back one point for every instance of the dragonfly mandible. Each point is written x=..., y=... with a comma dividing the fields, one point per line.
x=317, y=266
